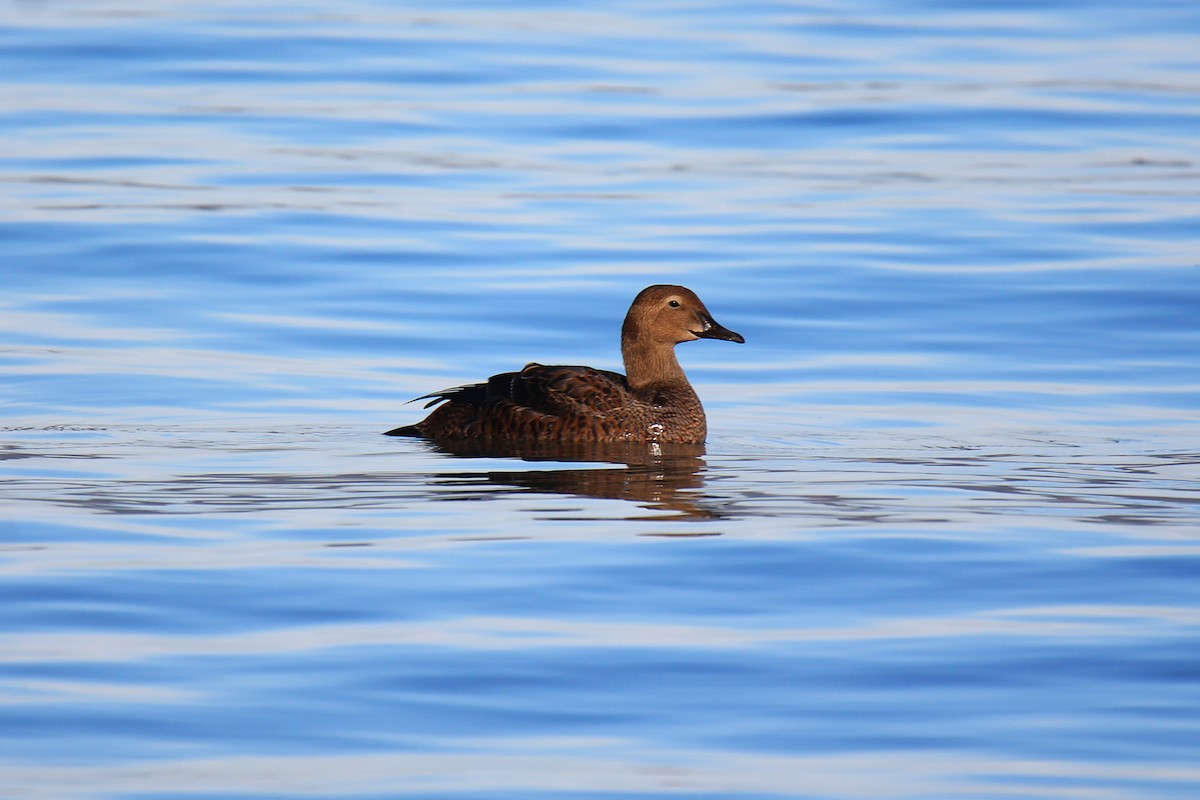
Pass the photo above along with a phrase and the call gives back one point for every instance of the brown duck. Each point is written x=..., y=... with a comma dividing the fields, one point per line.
x=652, y=402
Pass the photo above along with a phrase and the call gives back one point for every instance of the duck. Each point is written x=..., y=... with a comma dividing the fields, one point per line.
x=652, y=402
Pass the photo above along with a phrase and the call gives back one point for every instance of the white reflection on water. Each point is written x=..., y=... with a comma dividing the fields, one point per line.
x=631, y=768
x=526, y=634
x=88, y=559
x=37, y=691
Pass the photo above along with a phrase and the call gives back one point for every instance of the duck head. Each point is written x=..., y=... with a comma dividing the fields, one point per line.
x=667, y=315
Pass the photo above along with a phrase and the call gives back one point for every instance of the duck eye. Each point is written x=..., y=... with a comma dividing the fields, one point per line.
x=674, y=304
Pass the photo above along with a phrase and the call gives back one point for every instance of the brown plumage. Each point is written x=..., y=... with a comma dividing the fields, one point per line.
x=653, y=402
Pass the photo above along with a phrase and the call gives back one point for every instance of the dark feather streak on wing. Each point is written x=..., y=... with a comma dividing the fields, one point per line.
x=497, y=387
x=474, y=394
x=555, y=390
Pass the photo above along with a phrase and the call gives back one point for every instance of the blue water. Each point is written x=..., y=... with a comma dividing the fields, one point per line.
x=943, y=541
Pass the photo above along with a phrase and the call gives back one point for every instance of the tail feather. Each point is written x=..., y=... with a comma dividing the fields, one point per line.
x=471, y=394
x=404, y=430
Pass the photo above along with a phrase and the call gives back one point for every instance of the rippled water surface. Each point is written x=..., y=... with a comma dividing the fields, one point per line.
x=943, y=541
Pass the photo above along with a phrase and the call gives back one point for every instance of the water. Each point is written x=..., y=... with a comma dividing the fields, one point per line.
x=941, y=543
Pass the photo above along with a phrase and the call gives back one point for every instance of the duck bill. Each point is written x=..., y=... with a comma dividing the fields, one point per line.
x=711, y=329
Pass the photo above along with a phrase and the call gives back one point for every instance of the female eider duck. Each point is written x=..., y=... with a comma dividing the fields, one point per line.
x=652, y=402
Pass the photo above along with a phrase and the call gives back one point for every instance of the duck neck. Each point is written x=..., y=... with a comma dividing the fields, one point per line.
x=648, y=364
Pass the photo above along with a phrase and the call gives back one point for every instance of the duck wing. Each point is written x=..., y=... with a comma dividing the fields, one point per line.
x=560, y=391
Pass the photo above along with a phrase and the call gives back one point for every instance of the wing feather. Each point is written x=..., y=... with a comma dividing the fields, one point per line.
x=552, y=390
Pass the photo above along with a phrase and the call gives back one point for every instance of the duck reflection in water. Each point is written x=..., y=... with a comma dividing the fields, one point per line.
x=659, y=477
